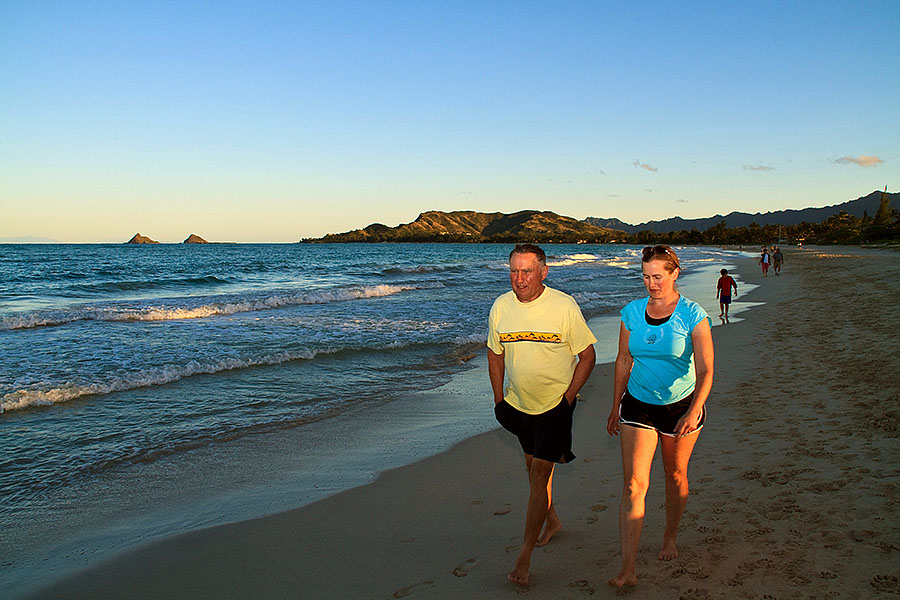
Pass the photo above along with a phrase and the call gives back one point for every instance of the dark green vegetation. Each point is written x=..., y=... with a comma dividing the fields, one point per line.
x=840, y=227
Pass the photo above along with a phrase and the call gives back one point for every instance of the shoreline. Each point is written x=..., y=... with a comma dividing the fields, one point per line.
x=252, y=477
x=338, y=467
x=449, y=525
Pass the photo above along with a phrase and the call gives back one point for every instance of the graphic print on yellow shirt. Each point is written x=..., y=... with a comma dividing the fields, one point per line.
x=530, y=336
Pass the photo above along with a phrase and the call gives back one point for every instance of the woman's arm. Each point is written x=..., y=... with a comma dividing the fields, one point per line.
x=701, y=338
x=624, y=361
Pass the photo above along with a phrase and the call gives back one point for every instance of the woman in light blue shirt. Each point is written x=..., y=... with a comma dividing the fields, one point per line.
x=664, y=372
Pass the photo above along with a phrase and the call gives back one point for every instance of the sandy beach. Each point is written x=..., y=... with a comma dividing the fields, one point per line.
x=794, y=483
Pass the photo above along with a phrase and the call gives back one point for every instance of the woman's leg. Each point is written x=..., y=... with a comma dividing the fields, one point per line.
x=676, y=452
x=638, y=447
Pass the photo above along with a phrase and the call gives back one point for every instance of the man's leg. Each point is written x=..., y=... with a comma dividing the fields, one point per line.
x=638, y=447
x=539, y=499
x=552, y=525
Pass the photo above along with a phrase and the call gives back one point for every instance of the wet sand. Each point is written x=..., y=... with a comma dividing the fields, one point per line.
x=794, y=483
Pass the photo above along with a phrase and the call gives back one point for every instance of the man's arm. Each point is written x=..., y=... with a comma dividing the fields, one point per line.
x=583, y=370
x=624, y=362
x=496, y=370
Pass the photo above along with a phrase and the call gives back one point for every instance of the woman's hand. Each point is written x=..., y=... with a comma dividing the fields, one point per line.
x=688, y=423
x=612, y=423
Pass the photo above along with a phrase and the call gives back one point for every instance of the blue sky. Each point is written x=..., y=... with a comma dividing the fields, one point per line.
x=272, y=121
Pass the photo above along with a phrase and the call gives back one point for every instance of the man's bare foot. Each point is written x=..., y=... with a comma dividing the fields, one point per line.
x=623, y=579
x=550, y=529
x=668, y=550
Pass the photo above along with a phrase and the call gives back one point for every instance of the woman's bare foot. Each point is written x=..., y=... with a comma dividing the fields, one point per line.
x=551, y=528
x=668, y=550
x=518, y=576
x=624, y=579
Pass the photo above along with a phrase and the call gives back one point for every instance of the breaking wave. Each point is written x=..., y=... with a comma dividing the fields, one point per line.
x=22, y=399
x=171, y=313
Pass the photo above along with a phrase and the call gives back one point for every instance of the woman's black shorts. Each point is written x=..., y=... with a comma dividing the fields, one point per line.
x=547, y=436
x=661, y=417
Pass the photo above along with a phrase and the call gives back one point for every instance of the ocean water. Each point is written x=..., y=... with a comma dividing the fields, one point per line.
x=116, y=357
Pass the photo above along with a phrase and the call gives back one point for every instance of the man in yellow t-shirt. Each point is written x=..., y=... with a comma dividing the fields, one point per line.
x=538, y=341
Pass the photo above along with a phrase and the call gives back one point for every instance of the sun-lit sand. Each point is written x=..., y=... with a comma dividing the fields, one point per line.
x=794, y=483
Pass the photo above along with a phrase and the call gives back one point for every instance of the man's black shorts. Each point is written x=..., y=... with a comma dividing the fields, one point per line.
x=547, y=436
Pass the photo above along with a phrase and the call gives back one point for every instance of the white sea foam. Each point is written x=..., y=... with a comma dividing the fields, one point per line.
x=572, y=259
x=618, y=263
x=465, y=340
x=119, y=313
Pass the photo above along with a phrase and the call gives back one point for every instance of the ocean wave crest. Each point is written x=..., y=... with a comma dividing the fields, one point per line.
x=420, y=269
x=571, y=259
x=137, y=285
x=165, y=313
x=22, y=399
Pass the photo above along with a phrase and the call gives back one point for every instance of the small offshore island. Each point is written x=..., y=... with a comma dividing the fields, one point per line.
x=191, y=239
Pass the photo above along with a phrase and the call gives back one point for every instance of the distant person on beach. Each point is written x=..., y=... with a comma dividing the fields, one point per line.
x=764, y=261
x=723, y=292
x=777, y=259
x=663, y=375
x=539, y=341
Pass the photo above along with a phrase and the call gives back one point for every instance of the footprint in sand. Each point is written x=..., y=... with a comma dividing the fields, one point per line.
x=406, y=591
x=886, y=583
x=582, y=585
x=502, y=511
x=464, y=569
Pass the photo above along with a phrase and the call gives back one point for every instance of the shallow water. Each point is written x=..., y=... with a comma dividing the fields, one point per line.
x=222, y=382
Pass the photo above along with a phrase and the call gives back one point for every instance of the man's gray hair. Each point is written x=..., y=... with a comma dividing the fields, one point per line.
x=530, y=249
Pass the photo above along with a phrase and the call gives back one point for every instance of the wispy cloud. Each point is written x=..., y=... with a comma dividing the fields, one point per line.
x=681, y=201
x=758, y=168
x=645, y=166
x=861, y=160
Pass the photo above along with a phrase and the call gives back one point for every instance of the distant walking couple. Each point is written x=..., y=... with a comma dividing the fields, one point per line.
x=541, y=354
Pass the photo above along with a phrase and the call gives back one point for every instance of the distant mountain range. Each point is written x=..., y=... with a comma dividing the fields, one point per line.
x=548, y=227
x=470, y=226
x=868, y=204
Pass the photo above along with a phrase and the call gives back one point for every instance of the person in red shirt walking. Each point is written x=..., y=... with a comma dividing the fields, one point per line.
x=723, y=292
